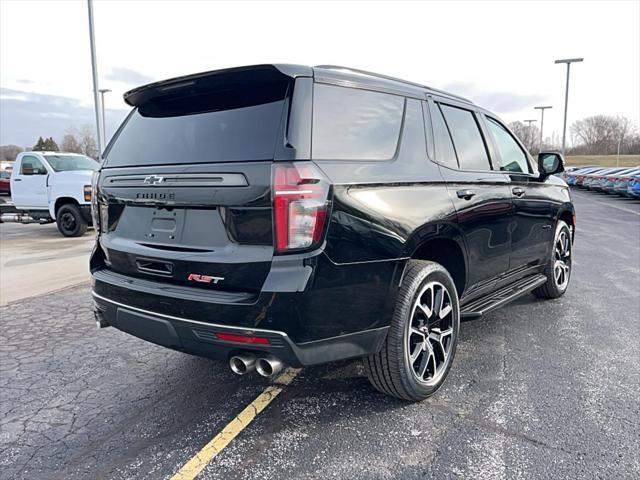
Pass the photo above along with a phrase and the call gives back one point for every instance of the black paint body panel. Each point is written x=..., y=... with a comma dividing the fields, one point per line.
x=381, y=214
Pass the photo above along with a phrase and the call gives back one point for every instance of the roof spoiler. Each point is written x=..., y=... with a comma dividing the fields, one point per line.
x=254, y=74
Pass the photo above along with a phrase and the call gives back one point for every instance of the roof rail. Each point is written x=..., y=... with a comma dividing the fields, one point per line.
x=394, y=79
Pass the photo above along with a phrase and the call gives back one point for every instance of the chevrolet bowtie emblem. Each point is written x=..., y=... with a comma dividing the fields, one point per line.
x=153, y=180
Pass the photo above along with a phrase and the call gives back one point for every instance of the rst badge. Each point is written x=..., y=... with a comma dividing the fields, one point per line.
x=196, y=277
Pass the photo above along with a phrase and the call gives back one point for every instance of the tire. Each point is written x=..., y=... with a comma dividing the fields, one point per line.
x=70, y=221
x=392, y=370
x=561, y=253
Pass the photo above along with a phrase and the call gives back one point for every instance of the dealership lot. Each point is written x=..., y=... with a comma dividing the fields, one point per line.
x=538, y=389
x=36, y=259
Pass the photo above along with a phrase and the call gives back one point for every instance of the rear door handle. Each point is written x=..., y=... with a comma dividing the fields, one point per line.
x=17, y=179
x=466, y=194
x=518, y=192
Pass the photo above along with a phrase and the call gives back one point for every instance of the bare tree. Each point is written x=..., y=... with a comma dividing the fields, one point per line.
x=88, y=142
x=600, y=134
x=528, y=135
x=81, y=141
x=553, y=142
x=71, y=144
x=9, y=153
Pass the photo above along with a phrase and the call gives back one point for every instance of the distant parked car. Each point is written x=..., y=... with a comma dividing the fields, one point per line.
x=52, y=187
x=621, y=185
x=5, y=184
x=610, y=181
x=570, y=177
x=584, y=178
x=580, y=175
x=597, y=180
x=633, y=190
x=571, y=171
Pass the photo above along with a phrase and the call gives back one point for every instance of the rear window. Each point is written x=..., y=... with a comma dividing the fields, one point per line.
x=228, y=125
x=352, y=124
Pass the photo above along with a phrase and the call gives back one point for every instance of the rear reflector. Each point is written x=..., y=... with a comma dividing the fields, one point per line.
x=230, y=337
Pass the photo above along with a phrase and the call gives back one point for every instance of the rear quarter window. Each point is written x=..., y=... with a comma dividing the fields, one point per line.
x=354, y=124
x=467, y=139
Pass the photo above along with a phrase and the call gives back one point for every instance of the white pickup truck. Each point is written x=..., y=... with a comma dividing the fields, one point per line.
x=52, y=186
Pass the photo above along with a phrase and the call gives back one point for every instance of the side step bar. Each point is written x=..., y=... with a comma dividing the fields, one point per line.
x=479, y=307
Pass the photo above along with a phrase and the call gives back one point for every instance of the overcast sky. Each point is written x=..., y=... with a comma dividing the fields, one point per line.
x=497, y=53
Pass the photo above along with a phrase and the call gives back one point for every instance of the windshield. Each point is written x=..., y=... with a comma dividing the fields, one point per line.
x=71, y=163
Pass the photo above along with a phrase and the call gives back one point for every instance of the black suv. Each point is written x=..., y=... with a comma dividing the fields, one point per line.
x=280, y=215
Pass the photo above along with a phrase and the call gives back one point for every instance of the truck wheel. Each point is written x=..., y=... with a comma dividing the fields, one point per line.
x=421, y=342
x=70, y=221
x=558, y=270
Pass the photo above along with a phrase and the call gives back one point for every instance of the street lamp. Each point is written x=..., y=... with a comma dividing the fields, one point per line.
x=94, y=68
x=104, y=124
x=530, y=140
x=568, y=61
x=542, y=109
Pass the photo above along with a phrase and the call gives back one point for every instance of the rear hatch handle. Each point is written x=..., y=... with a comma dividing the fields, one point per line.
x=154, y=267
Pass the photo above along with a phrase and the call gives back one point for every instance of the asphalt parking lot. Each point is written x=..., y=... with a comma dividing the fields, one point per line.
x=36, y=259
x=545, y=389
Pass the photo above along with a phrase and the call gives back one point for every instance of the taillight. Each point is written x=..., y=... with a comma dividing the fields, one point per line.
x=95, y=214
x=300, y=204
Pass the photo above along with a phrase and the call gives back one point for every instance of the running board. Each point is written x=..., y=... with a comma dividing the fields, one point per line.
x=479, y=307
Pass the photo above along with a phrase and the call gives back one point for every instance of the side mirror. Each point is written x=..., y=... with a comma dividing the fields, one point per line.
x=550, y=163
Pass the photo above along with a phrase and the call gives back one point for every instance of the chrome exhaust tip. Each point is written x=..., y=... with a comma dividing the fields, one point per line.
x=242, y=363
x=268, y=366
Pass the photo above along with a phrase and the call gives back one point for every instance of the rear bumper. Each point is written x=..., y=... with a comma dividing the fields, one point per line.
x=199, y=338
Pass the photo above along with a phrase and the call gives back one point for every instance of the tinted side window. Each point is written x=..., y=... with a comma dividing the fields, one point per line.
x=512, y=156
x=351, y=124
x=467, y=140
x=445, y=153
x=32, y=166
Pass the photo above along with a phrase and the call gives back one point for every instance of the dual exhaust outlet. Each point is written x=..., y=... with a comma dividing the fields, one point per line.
x=268, y=366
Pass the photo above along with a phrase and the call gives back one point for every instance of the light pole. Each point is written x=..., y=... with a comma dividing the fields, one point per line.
x=530, y=141
x=618, y=156
x=542, y=109
x=568, y=61
x=94, y=67
x=104, y=123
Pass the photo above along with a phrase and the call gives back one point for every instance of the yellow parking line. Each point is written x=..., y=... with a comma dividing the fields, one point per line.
x=194, y=466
